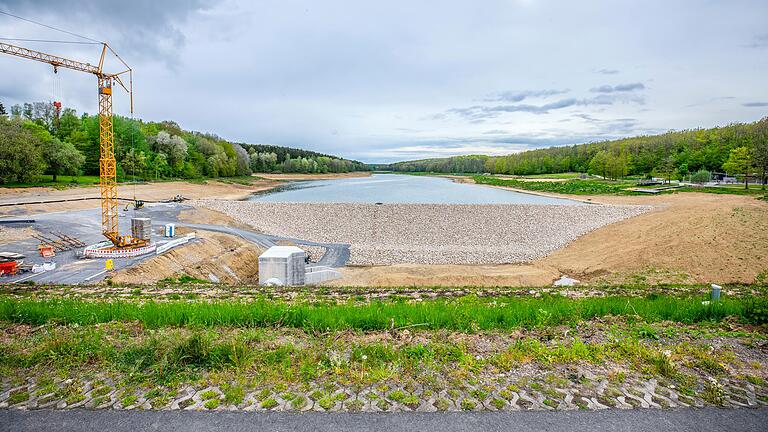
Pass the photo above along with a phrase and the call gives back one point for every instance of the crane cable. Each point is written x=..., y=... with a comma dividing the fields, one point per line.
x=48, y=41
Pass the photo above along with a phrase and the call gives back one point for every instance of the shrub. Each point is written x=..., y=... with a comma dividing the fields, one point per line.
x=701, y=177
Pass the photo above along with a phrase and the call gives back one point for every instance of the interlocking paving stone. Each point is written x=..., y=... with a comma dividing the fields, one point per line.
x=492, y=395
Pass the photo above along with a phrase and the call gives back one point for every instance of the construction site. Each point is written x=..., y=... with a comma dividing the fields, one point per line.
x=141, y=232
x=317, y=253
x=65, y=247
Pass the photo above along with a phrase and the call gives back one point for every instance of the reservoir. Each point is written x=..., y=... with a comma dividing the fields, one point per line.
x=399, y=188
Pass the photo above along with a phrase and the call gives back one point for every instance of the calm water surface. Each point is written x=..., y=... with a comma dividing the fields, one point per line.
x=398, y=188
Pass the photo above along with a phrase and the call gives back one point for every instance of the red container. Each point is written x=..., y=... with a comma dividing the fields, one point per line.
x=9, y=268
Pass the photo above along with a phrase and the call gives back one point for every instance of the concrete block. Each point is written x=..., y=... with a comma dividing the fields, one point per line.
x=285, y=263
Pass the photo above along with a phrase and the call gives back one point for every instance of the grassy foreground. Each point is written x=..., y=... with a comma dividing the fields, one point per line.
x=468, y=313
x=471, y=351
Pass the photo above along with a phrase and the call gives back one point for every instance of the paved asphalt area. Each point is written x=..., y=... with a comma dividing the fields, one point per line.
x=699, y=420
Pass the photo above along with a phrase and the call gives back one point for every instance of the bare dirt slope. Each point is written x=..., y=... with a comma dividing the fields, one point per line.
x=227, y=258
x=697, y=236
x=448, y=275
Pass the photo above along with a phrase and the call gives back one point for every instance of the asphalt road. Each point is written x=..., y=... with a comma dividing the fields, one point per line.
x=336, y=255
x=614, y=420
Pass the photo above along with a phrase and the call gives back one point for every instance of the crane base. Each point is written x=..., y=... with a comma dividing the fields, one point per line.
x=107, y=250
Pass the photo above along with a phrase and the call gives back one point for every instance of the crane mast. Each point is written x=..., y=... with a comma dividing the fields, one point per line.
x=107, y=163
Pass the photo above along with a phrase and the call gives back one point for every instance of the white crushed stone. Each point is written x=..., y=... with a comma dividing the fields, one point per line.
x=429, y=233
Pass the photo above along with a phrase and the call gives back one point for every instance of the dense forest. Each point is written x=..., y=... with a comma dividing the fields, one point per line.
x=736, y=149
x=35, y=141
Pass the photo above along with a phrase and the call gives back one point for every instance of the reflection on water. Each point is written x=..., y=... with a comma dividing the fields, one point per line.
x=398, y=188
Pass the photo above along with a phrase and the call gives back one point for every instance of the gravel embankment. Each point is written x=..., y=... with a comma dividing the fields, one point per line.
x=429, y=233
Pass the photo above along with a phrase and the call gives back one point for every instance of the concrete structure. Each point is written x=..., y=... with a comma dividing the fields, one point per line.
x=164, y=247
x=286, y=263
x=141, y=228
x=106, y=249
x=317, y=274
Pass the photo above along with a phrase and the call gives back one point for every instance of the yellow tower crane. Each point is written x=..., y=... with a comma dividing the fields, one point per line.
x=107, y=164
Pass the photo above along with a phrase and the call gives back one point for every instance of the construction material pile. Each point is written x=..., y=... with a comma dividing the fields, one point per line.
x=429, y=233
x=141, y=228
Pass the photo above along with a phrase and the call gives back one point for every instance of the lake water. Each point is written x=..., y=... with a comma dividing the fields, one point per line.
x=398, y=188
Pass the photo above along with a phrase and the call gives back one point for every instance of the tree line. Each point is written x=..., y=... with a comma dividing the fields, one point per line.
x=739, y=149
x=35, y=141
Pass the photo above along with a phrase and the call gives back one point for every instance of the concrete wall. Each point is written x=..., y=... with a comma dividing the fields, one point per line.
x=318, y=274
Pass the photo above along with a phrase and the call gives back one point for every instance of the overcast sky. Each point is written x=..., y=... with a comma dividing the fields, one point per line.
x=380, y=81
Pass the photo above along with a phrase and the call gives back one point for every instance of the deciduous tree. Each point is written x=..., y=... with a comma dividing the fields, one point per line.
x=760, y=142
x=599, y=164
x=740, y=162
x=20, y=157
x=61, y=157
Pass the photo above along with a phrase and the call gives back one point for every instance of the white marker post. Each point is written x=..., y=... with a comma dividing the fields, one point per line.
x=716, y=292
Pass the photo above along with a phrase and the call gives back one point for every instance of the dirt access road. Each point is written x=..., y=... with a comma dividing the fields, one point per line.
x=688, y=237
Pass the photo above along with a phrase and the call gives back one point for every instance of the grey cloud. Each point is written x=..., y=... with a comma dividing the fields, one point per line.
x=502, y=144
x=759, y=41
x=584, y=116
x=518, y=96
x=611, y=126
x=135, y=29
x=710, y=100
x=477, y=112
x=607, y=71
x=755, y=104
x=618, y=88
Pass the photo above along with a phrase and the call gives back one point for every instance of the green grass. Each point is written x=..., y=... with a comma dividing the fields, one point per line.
x=566, y=175
x=603, y=187
x=724, y=190
x=18, y=397
x=468, y=313
x=212, y=404
x=570, y=187
x=241, y=180
x=269, y=403
x=62, y=181
x=171, y=357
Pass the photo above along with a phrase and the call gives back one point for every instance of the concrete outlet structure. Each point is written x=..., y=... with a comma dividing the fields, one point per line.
x=317, y=274
x=284, y=265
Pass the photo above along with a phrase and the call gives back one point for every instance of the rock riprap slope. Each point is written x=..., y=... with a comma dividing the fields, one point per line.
x=429, y=233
